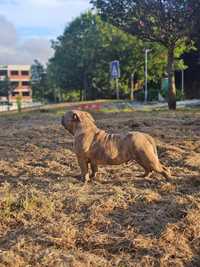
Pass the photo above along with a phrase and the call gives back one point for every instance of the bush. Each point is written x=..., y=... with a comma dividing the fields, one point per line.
x=19, y=103
x=179, y=95
x=152, y=95
x=72, y=96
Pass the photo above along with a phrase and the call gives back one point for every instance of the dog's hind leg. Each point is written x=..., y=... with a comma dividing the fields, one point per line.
x=148, y=159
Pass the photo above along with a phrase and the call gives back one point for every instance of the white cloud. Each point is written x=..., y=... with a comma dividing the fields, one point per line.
x=13, y=51
x=26, y=26
x=39, y=48
x=53, y=14
x=8, y=32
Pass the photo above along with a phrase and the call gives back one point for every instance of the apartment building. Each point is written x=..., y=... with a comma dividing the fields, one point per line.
x=20, y=78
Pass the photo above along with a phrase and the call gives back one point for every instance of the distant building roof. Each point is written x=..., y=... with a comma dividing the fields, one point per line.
x=15, y=67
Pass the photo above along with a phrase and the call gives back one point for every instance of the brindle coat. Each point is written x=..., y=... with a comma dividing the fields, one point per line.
x=96, y=147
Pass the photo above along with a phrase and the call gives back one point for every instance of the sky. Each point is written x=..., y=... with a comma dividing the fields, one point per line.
x=27, y=26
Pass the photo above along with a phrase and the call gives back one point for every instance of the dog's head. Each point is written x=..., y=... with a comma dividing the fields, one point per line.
x=74, y=119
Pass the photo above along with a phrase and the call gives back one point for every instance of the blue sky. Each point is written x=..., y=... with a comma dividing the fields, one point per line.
x=28, y=25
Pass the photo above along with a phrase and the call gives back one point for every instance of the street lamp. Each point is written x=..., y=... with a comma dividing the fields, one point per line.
x=146, y=75
x=182, y=82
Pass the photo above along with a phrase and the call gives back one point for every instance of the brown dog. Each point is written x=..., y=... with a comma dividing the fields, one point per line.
x=94, y=146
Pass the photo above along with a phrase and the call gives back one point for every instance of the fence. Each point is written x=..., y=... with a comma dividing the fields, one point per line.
x=4, y=108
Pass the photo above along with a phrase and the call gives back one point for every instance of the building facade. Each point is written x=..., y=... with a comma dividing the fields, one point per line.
x=20, y=78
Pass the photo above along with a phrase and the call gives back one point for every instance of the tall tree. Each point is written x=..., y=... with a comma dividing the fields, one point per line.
x=55, y=92
x=77, y=53
x=38, y=80
x=167, y=22
x=6, y=88
x=84, y=51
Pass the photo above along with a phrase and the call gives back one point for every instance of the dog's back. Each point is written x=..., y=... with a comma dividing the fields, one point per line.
x=118, y=148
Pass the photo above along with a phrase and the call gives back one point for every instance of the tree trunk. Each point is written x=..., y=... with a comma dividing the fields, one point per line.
x=8, y=100
x=81, y=94
x=171, y=77
x=60, y=95
x=85, y=85
x=54, y=94
x=132, y=86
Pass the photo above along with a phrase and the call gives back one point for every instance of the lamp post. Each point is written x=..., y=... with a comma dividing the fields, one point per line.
x=146, y=75
x=132, y=85
x=182, y=82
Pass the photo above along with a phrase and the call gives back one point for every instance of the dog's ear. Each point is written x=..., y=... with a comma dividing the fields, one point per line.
x=75, y=116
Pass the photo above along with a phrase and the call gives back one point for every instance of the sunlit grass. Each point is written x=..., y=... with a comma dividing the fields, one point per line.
x=48, y=217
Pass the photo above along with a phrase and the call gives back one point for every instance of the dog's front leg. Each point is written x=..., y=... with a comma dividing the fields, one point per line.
x=94, y=169
x=84, y=169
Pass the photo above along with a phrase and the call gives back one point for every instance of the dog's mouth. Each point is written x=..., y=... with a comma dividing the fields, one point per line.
x=67, y=127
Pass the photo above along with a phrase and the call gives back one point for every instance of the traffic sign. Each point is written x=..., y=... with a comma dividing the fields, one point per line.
x=115, y=69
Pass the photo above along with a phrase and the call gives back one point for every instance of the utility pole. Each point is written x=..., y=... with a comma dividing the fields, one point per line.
x=182, y=82
x=146, y=75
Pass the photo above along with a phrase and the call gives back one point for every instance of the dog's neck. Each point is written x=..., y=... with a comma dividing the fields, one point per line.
x=83, y=127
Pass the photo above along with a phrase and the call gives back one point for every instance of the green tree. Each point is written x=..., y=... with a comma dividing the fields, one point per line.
x=166, y=22
x=6, y=89
x=77, y=53
x=39, y=80
x=84, y=51
x=55, y=92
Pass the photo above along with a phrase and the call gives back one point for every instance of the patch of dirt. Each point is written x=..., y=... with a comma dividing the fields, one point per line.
x=49, y=218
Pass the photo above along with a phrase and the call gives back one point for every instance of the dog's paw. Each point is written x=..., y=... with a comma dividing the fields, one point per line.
x=86, y=178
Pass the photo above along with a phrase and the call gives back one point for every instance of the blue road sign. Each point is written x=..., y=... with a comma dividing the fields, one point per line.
x=115, y=69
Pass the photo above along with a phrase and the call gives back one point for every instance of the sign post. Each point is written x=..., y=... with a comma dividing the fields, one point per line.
x=115, y=74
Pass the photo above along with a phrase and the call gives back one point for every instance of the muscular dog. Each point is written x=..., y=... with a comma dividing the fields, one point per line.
x=96, y=147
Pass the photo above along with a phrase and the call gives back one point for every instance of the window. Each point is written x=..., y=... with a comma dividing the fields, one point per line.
x=14, y=84
x=3, y=73
x=14, y=72
x=25, y=83
x=26, y=93
x=15, y=93
x=25, y=73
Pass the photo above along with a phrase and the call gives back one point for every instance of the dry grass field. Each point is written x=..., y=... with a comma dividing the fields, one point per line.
x=49, y=218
